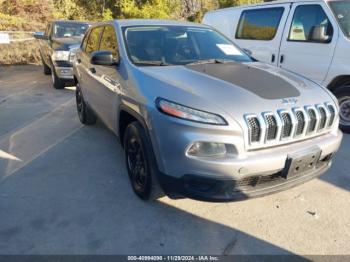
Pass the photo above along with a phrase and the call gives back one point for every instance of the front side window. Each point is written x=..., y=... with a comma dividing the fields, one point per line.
x=259, y=24
x=66, y=29
x=94, y=40
x=341, y=10
x=85, y=40
x=310, y=24
x=109, y=40
x=178, y=45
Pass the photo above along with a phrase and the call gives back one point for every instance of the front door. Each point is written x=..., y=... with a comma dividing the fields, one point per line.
x=309, y=41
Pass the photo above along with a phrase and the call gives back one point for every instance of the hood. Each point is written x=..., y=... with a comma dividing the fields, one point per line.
x=66, y=43
x=237, y=88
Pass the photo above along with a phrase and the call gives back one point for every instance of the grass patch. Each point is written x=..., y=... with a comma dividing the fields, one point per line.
x=20, y=53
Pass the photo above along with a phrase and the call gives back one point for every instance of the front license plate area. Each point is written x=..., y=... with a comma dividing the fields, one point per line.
x=301, y=162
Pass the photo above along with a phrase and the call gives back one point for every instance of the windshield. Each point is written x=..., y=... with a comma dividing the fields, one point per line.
x=178, y=45
x=341, y=10
x=65, y=29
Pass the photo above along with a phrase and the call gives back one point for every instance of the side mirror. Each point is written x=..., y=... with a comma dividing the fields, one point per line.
x=104, y=58
x=40, y=35
x=319, y=34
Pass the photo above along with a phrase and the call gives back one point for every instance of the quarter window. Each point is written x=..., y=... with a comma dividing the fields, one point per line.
x=109, y=40
x=310, y=24
x=94, y=40
x=259, y=24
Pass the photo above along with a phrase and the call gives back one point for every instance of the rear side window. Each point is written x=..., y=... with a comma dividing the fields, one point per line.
x=109, y=40
x=94, y=40
x=310, y=24
x=259, y=24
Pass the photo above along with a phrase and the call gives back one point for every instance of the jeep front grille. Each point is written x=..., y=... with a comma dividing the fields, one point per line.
x=296, y=123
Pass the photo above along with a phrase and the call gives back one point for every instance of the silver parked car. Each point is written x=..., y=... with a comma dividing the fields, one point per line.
x=198, y=117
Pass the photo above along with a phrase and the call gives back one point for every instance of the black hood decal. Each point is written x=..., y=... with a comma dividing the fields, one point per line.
x=255, y=80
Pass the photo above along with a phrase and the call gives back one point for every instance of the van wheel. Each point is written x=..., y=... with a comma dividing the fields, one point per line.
x=86, y=115
x=57, y=83
x=141, y=163
x=343, y=95
x=47, y=69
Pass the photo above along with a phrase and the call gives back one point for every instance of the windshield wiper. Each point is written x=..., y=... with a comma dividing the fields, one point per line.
x=211, y=61
x=152, y=63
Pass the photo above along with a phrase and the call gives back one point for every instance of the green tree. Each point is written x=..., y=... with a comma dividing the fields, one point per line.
x=229, y=3
x=146, y=8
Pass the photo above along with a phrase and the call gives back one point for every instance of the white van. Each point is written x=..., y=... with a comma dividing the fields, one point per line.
x=308, y=37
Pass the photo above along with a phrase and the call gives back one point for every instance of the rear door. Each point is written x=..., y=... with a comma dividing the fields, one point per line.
x=260, y=29
x=309, y=40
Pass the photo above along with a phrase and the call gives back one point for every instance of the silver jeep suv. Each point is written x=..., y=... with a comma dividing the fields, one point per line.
x=198, y=117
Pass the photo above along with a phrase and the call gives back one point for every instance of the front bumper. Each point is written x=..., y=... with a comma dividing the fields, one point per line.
x=64, y=70
x=224, y=190
x=64, y=73
x=240, y=175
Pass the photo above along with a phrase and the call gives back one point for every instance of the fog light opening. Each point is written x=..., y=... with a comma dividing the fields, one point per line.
x=207, y=149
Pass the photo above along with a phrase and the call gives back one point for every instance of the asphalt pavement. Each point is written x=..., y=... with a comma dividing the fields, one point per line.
x=64, y=190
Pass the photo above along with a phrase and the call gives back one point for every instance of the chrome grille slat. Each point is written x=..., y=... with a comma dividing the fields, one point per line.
x=270, y=128
x=332, y=115
x=300, y=123
x=254, y=129
x=323, y=117
x=312, y=120
x=287, y=125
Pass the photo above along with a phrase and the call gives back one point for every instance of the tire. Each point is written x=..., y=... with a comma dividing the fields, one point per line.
x=141, y=164
x=47, y=69
x=86, y=115
x=56, y=81
x=343, y=95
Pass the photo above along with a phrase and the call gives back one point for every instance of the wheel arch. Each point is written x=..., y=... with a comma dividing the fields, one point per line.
x=338, y=81
x=125, y=117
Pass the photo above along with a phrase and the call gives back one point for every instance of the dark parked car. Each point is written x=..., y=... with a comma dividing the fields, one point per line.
x=57, y=46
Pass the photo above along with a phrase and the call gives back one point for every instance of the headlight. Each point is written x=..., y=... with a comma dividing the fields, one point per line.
x=188, y=113
x=71, y=57
x=60, y=56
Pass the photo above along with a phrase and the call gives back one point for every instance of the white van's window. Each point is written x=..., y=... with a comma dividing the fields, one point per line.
x=259, y=24
x=310, y=24
x=341, y=10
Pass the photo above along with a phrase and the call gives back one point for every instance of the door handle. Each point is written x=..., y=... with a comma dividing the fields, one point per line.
x=93, y=70
x=273, y=57
x=281, y=59
x=247, y=51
